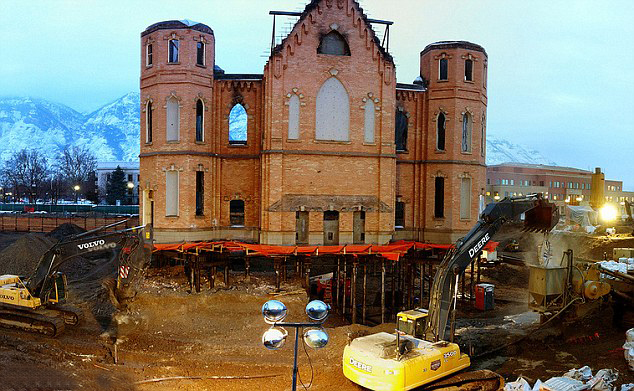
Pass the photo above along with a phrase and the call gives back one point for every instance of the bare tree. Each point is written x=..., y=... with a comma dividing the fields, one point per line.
x=75, y=164
x=26, y=170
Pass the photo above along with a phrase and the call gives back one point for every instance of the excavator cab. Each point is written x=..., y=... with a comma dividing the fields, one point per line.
x=412, y=322
x=58, y=293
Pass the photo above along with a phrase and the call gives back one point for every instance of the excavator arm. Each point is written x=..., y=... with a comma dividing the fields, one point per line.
x=130, y=245
x=540, y=215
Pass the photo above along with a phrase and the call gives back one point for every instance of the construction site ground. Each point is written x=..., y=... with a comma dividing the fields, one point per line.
x=169, y=332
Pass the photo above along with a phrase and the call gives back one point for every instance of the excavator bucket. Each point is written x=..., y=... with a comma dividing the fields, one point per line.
x=541, y=218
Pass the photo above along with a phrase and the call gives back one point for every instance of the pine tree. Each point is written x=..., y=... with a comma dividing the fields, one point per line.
x=116, y=187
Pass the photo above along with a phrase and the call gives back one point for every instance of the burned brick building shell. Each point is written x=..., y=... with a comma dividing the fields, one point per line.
x=335, y=150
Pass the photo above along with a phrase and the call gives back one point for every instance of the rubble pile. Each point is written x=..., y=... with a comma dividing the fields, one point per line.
x=23, y=255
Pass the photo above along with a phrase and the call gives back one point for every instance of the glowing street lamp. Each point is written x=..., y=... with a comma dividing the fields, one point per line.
x=76, y=188
x=130, y=185
x=608, y=213
x=274, y=312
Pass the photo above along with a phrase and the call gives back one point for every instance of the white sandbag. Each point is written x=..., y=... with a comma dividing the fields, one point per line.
x=627, y=387
x=603, y=380
x=537, y=386
x=629, y=335
x=564, y=384
x=518, y=385
x=584, y=374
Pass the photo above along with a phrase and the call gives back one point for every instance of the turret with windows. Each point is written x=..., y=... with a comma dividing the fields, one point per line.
x=177, y=75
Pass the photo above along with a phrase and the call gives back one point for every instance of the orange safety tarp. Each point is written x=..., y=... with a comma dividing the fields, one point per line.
x=390, y=251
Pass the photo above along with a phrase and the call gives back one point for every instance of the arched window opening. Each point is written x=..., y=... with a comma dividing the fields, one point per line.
x=332, y=112
x=465, y=198
x=293, y=117
x=199, y=121
x=200, y=193
x=238, y=125
x=440, y=132
x=173, y=119
x=400, y=131
x=171, y=193
x=468, y=70
x=236, y=213
x=442, y=69
x=482, y=138
x=148, y=122
x=439, y=197
x=399, y=215
x=466, y=132
x=148, y=55
x=200, y=54
x=368, y=122
x=333, y=43
x=172, y=56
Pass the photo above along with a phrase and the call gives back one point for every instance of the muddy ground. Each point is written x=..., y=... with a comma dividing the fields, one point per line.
x=169, y=332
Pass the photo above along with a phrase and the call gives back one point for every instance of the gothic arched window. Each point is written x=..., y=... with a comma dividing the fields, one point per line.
x=332, y=112
x=238, y=125
x=333, y=43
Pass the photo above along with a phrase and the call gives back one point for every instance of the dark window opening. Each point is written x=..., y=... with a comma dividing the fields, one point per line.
x=468, y=70
x=148, y=60
x=200, y=53
x=541, y=183
x=200, y=193
x=400, y=131
x=331, y=215
x=199, y=120
x=236, y=213
x=399, y=215
x=333, y=43
x=443, y=69
x=439, y=199
x=173, y=51
x=440, y=132
x=148, y=124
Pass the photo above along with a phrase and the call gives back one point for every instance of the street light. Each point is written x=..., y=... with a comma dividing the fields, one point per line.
x=76, y=188
x=274, y=312
x=130, y=185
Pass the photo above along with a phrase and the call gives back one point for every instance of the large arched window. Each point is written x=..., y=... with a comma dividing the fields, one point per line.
x=238, y=125
x=332, y=112
x=467, y=124
x=368, y=122
x=333, y=43
x=200, y=109
x=173, y=119
x=293, y=117
x=440, y=132
x=148, y=122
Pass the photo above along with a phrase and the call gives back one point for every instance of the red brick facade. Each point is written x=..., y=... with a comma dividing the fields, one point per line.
x=345, y=182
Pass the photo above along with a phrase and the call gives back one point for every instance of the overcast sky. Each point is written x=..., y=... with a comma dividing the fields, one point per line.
x=561, y=73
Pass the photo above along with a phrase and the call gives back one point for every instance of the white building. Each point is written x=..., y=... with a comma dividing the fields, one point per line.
x=131, y=170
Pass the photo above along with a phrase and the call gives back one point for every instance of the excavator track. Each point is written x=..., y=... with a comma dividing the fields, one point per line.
x=70, y=314
x=482, y=380
x=40, y=322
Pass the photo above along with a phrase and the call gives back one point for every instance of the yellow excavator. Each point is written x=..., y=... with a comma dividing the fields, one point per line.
x=420, y=352
x=35, y=303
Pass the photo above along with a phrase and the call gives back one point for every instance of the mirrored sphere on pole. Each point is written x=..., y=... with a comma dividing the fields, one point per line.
x=274, y=311
x=317, y=310
x=316, y=338
x=274, y=338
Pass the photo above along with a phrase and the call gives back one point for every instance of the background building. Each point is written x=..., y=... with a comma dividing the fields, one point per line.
x=131, y=171
x=324, y=147
x=562, y=185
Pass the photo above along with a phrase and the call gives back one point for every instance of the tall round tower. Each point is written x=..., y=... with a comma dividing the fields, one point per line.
x=455, y=75
x=177, y=74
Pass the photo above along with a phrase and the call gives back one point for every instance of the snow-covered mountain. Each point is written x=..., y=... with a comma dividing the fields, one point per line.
x=502, y=151
x=111, y=132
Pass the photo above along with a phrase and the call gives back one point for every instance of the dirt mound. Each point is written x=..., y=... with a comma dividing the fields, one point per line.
x=23, y=255
x=509, y=275
x=65, y=230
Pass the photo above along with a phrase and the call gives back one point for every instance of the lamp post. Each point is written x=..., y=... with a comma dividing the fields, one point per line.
x=130, y=192
x=275, y=312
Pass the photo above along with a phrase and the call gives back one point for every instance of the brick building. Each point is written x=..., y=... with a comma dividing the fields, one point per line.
x=562, y=185
x=333, y=151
